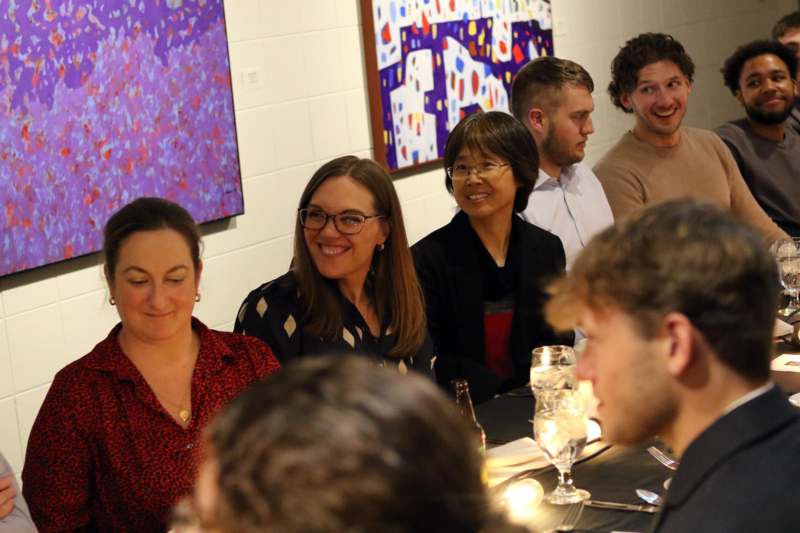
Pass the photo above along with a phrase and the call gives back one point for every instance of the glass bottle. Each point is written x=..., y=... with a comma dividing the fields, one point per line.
x=464, y=403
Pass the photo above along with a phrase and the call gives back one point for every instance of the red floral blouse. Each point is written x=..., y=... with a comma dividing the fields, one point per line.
x=103, y=455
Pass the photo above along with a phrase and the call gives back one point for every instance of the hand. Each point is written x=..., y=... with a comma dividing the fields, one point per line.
x=7, y=494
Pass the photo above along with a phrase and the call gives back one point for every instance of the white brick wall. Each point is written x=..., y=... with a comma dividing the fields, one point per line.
x=312, y=109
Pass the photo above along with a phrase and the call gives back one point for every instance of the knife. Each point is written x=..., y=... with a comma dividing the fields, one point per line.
x=599, y=504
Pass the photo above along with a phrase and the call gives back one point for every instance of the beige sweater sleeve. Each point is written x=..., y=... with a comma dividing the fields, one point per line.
x=624, y=190
x=743, y=204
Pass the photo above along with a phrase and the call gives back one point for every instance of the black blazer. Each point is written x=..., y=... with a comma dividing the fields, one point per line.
x=741, y=474
x=450, y=275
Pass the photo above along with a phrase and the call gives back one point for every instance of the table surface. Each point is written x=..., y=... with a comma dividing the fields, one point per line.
x=613, y=475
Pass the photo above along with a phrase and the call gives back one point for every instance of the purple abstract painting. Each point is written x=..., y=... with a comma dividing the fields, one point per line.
x=105, y=101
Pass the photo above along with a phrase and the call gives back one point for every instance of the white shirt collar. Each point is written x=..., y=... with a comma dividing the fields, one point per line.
x=752, y=395
x=567, y=173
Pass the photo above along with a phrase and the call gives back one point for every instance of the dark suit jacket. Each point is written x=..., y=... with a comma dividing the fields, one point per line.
x=449, y=272
x=741, y=474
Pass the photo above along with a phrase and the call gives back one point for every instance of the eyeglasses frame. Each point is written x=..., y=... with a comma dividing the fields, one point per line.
x=333, y=217
x=474, y=170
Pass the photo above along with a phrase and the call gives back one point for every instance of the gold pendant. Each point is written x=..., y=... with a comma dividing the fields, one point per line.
x=184, y=414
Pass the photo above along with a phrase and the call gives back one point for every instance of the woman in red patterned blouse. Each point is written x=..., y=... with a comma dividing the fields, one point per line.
x=113, y=446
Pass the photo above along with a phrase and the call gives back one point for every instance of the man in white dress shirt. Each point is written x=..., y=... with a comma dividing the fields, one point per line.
x=553, y=98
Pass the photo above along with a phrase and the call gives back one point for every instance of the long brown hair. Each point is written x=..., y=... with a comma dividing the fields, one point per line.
x=392, y=285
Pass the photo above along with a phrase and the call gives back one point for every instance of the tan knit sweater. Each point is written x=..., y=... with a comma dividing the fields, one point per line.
x=635, y=174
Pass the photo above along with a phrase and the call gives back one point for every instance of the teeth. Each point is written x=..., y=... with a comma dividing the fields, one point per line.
x=477, y=196
x=332, y=250
x=665, y=115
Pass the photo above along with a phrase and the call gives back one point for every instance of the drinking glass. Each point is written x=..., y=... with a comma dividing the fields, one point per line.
x=787, y=254
x=552, y=368
x=559, y=427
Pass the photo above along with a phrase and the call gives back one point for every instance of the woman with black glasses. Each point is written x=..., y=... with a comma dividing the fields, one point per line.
x=352, y=285
x=484, y=274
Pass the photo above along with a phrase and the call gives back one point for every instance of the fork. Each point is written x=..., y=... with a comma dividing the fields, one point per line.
x=663, y=458
x=570, y=518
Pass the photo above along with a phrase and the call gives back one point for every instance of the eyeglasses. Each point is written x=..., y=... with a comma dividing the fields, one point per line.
x=486, y=169
x=345, y=223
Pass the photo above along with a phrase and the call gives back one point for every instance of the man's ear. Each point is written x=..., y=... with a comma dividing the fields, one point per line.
x=738, y=95
x=625, y=100
x=678, y=334
x=537, y=120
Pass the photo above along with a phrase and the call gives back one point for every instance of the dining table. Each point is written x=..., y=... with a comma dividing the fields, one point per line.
x=613, y=473
x=610, y=473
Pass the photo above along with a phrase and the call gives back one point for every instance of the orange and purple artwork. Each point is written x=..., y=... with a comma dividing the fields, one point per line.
x=439, y=60
x=105, y=101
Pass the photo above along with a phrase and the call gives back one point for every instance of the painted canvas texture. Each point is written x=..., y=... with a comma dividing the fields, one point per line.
x=105, y=101
x=439, y=60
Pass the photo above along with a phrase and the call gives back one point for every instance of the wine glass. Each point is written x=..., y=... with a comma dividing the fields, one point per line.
x=552, y=368
x=787, y=254
x=559, y=427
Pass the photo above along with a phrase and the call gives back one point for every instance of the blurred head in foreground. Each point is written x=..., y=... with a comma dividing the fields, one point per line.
x=678, y=306
x=339, y=444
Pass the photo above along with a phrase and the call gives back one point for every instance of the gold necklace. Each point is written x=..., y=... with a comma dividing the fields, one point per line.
x=183, y=413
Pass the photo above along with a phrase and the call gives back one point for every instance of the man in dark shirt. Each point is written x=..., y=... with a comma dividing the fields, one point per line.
x=678, y=305
x=761, y=76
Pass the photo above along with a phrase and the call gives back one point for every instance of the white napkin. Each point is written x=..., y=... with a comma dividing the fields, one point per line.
x=781, y=328
x=513, y=457
x=788, y=362
x=519, y=455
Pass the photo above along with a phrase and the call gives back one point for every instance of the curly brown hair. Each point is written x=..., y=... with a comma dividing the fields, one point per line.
x=639, y=52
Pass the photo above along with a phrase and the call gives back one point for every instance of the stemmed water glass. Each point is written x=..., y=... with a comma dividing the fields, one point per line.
x=787, y=254
x=559, y=427
x=552, y=368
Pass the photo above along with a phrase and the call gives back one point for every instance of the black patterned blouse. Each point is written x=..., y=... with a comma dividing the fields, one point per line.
x=274, y=313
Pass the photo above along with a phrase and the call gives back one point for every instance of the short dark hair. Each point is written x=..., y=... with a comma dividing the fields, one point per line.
x=639, y=52
x=541, y=82
x=148, y=214
x=336, y=443
x=732, y=69
x=684, y=256
x=499, y=134
x=786, y=24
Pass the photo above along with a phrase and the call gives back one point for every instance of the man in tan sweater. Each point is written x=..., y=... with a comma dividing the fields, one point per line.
x=659, y=159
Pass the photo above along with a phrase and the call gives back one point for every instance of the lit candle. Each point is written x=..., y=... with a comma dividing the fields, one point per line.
x=521, y=500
